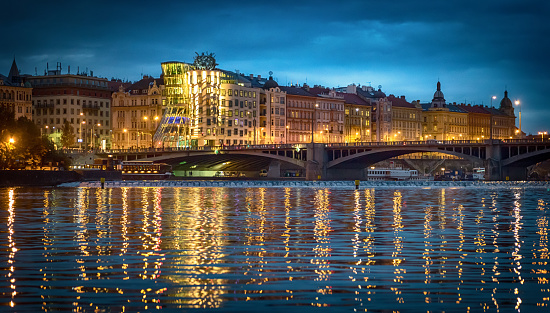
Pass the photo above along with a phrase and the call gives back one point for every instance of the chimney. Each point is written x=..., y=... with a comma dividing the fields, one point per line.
x=259, y=77
x=351, y=89
x=251, y=76
x=402, y=97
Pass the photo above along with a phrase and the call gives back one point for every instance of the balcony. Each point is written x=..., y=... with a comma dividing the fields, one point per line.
x=90, y=107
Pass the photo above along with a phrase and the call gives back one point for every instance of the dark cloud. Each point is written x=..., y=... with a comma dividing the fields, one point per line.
x=476, y=48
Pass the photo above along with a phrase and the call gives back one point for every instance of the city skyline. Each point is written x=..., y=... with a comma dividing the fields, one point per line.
x=476, y=49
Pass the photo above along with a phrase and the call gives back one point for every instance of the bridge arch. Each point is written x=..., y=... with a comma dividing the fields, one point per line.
x=527, y=159
x=224, y=155
x=374, y=156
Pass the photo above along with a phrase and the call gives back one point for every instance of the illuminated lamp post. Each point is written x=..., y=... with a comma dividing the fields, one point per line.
x=491, y=128
x=128, y=136
x=286, y=133
x=312, y=116
x=518, y=104
x=92, y=131
x=542, y=134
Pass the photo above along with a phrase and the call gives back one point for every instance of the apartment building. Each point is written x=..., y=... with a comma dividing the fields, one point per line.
x=136, y=113
x=81, y=99
x=15, y=94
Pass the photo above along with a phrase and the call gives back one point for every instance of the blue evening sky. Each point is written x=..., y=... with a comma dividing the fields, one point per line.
x=475, y=48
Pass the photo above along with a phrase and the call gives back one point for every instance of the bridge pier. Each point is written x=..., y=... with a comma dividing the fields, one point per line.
x=274, y=170
x=514, y=173
x=493, y=168
x=316, y=161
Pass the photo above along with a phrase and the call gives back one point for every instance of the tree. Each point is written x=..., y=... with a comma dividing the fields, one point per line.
x=67, y=135
x=20, y=142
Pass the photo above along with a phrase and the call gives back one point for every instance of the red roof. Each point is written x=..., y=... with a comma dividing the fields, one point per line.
x=400, y=102
x=474, y=109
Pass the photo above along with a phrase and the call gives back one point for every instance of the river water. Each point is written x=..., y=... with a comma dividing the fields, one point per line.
x=393, y=249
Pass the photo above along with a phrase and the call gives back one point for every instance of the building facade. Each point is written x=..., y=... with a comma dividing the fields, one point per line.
x=136, y=112
x=300, y=114
x=406, y=119
x=82, y=100
x=15, y=94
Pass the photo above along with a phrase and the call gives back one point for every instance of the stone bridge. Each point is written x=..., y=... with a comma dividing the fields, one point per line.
x=503, y=159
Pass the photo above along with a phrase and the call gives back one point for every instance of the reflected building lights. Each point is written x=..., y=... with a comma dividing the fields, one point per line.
x=12, y=248
x=322, y=249
x=198, y=235
x=517, y=225
x=186, y=248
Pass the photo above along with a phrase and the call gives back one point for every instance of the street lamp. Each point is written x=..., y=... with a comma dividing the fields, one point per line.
x=286, y=133
x=542, y=134
x=312, y=116
x=80, y=135
x=127, y=135
x=92, y=135
x=518, y=104
x=491, y=129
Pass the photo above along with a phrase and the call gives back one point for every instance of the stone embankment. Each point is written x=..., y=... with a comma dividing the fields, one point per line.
x=314, y=184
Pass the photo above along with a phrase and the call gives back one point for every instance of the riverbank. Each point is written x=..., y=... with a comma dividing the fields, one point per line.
x=313, y=184
x=10, y=178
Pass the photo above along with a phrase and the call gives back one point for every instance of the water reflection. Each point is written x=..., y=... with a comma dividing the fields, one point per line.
x=142, y=249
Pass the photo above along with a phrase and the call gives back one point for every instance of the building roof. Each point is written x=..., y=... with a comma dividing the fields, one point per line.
x=371, y=93
x=270, y=83
x=450, y=107
x=144, y=83
x=353, y=99
x=506, y=102
x=296, y=91
x=495, y=111
x=474, y=109
x=14, y=71
x=400, y=102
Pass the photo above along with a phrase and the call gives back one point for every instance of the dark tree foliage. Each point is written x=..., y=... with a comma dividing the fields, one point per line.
x=67, y=135
x=21, y=144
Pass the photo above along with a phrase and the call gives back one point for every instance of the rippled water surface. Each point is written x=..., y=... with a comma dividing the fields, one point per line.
x=274, y=249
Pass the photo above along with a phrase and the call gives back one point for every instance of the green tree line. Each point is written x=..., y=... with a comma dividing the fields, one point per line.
x=22, y=146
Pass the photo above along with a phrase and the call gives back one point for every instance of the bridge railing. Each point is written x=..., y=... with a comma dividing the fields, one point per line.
x=405, y=143
x=304, y=145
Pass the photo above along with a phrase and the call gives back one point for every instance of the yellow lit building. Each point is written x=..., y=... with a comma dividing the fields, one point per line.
x=206, y=106
x=357, y=124
x=136, y=112
x=329, y=115
x=406, y=119
x=300, y=111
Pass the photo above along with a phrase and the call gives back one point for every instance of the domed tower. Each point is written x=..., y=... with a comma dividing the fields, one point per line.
x=439, y=100
x=270, y=83
x=506, y=106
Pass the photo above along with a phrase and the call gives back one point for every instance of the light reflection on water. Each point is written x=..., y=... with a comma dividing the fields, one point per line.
x=250, y=249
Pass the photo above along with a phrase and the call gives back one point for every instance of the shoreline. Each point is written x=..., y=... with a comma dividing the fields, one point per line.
x=309, y=184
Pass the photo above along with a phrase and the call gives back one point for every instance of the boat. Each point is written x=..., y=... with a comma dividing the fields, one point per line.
x=393, y=173
x=145, y=170
x=478, y=173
